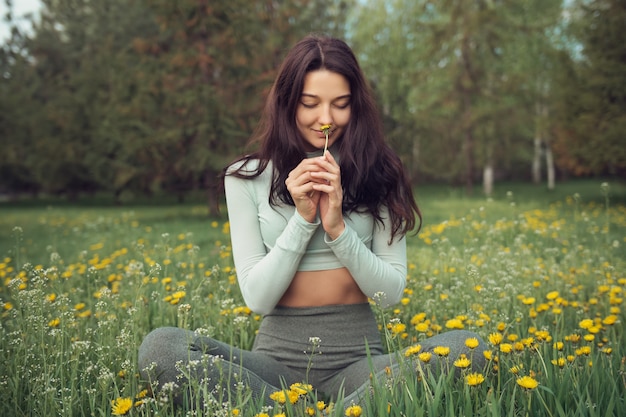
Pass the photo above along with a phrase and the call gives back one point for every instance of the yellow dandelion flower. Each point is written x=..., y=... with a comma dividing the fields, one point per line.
x=583, y=351
x=474, y=379
x=412, y=350
x=488, y=354
x=552, y=295
x=54, y=322
x=462, y=362
x=543, y=335
x=418, y=318
x=527, y=382
x=301, y=389
x=454, y=324
x=516, y=369
x=179, y=294
x=397, y=328
x=574, y=338
x=585, y=324
x=354, y=411
x=279, y=396
x=610, y=320
x=495, y=338
x=506, y=348
x=560, y=362
x=422, y=327
x=594, y=329
x=558, y=345
x=121, y=406
x=425, y=356
x=471, y=342
x=262, y=415
x=441, y=350
x=293, y=396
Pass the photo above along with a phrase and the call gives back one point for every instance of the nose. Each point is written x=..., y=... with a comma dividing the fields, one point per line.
x=325, y=116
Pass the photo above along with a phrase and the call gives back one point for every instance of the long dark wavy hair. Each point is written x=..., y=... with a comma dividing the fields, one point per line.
x=371, y=172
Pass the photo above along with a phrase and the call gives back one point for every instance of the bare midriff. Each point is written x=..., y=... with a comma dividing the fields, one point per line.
x=321, y=288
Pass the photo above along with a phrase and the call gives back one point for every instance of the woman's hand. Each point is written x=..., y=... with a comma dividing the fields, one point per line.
x=327, y=184
x=300, y=184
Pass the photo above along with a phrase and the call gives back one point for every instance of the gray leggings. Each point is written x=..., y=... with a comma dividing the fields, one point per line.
x=334, y=348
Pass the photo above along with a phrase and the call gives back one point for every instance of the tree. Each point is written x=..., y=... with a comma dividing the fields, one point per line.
x=592, y=140
x=451, y=73
x=211, y=64
x=146, y=95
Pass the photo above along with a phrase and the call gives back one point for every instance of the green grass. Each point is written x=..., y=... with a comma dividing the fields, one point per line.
x=83, y=283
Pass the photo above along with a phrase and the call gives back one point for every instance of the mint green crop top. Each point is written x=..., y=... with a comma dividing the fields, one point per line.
x=271, y=243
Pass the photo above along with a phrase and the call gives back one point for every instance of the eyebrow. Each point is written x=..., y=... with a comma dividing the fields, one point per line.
x=336, y=98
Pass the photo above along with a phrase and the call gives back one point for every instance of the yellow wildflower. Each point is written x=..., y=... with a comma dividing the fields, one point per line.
x=441, y=351
x=474, y=379
x=462, y=362
x=301, y=389
x=495, y=339
x=471, y=342
x=412, y=350
x=354, y=411
x=454, y=323
x=121, y=406
x=506, y=348
x=527, y=382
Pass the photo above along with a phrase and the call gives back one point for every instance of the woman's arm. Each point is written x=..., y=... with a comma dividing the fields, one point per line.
x=379, y=270
x=263, y=276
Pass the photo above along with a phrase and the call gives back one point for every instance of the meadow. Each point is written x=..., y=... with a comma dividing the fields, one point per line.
x=539, y=275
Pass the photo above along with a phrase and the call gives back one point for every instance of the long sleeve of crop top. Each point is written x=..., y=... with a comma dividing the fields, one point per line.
x=380, y=272
x=263, y=276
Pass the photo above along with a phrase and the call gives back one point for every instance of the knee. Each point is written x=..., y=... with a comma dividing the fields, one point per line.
x=161, y=348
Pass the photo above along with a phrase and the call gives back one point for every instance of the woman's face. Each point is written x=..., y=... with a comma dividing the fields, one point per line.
x=325, y=100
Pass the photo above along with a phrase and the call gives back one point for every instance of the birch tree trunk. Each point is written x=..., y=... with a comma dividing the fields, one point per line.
x=550, y=167
x=488, y=179
x=536, y=165
x=537, y=141
x=415, y=157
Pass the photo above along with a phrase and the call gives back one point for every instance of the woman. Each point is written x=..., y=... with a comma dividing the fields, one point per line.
x=316, y=234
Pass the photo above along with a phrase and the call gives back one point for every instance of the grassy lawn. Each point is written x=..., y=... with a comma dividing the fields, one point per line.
x=538, y=274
